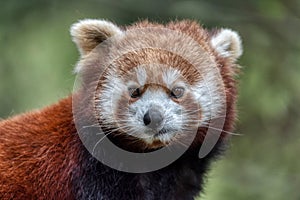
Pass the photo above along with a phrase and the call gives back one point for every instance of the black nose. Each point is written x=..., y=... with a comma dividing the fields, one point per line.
x=147, y=119
x=153, y=118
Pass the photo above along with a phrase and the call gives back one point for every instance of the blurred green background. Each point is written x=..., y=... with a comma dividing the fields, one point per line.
x=37, y=58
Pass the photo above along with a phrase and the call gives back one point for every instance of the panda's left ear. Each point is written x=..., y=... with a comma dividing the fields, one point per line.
x=88, y=33
x=227, y=44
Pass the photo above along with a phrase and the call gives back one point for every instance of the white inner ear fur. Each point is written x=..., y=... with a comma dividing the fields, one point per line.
x=88, y=33
x=227, y=43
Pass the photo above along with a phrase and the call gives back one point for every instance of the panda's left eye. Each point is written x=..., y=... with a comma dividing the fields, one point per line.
x=134, y=92
x=177, y=92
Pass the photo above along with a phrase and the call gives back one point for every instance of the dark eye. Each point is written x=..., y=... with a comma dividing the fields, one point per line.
x=134, y=92
x=177, y=92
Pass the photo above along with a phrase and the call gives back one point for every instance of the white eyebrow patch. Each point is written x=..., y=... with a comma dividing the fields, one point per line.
x=141, y=75
x=170, y=76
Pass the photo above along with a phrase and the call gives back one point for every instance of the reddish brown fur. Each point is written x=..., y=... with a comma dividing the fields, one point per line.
x=38, y=151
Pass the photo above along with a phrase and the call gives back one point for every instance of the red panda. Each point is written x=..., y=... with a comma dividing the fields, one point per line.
x=146, y=86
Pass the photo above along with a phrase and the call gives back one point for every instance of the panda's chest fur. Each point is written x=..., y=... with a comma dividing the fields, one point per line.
x=181, y=180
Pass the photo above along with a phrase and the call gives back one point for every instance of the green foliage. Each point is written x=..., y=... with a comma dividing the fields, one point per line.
x=37, y=58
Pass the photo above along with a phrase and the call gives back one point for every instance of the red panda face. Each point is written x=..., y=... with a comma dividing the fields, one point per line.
x=154, y=103
x=159, y=101
x=156, y=84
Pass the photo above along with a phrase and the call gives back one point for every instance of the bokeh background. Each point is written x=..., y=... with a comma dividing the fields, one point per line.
x=37, y=58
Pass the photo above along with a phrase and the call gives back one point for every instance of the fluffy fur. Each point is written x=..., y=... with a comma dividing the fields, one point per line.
x=42, y=157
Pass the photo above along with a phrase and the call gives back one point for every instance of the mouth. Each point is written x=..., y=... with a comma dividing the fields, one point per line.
x=161, y=132
x=165, y=134
x=161, y=138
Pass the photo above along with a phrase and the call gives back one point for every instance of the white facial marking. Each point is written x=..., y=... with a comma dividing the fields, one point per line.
x=170, y=76
x=111, y=94
x=210, y=98
x=141, y=75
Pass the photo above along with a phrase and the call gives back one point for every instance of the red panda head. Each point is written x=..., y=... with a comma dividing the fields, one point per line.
x=158, y=84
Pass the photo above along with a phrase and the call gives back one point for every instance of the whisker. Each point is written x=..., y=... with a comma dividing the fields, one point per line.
x=92, y=125
x=231, y=133
x=177, y=140
x=194, y=110
x=99, y=142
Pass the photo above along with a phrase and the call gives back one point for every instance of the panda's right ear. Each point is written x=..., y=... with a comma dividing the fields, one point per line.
x=227, y=44
x=88, y=33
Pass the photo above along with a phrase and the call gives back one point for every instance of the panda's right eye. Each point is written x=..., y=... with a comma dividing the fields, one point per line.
x=134, y=92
